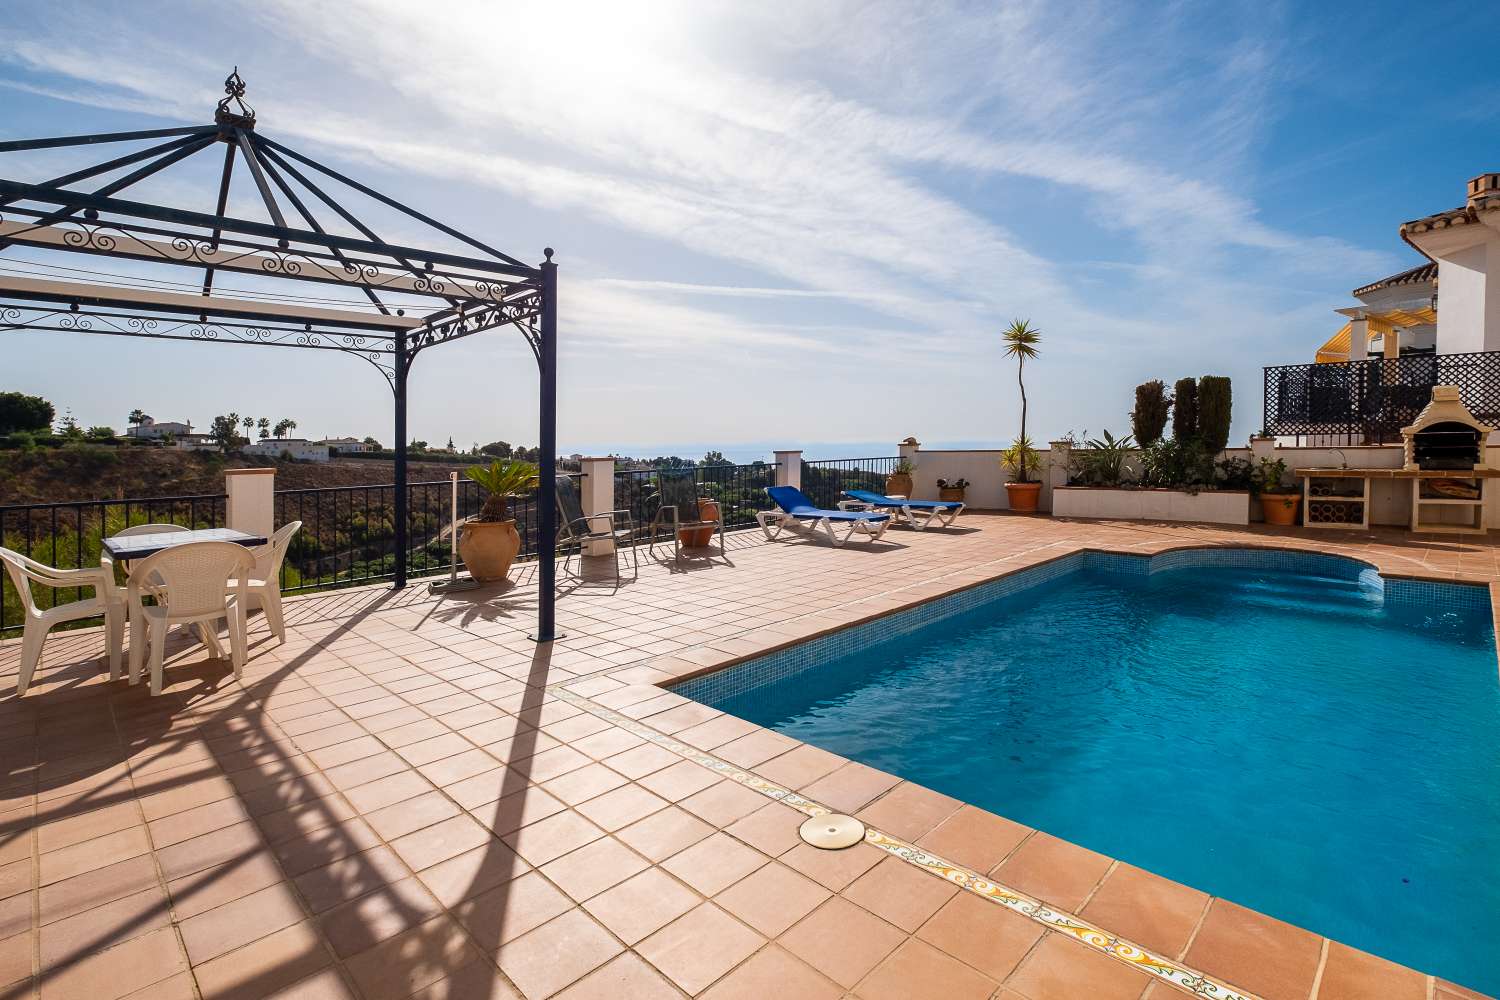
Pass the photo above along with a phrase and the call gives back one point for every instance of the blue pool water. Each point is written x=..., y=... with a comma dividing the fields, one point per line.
x=1306, y=745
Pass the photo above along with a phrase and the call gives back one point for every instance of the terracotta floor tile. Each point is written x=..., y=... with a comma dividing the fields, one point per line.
x=552, y=837
x=77, y=828
x=15, y=877
x=197, y=821
x=71, y=896
x=459, y=767
x=714, y=863
x=680, y=780
x=362, y=923
x=1053, y=870
x=209, y=850
x=441, y=841
x=81, y=858
x=640, y=761
x=1062, y=969
x=641, y=905
x=1255, y=952
x=619, y=808
x=264, y=966
x=517, y=809
x=772, y=898
x=15, y=959
x=900, y=893
x=623, y=977
x=557, y=954
x=800, y=766
x=225, y=928
x=477, y=980
x=851, y=787
x=100, y=927
x=411, y=814
x=485, y=787
x=350, y=877
x=774, y=972
x=511, y=909
x=585, y=783
x=974, y=838
x=322, y=847
x=699, y=947
x=1146, y=909
x=908, y=811
x=399, y=787
x=663, y=834
x=917, y=970
x=121, y=970
x=833, y=869
x=399, y=966
x=594, y=867
x=771, y=829
x=1349, y=974
x=15, y=915
x=842, y=941
x=472, y=872
x=982, y=934
x=325, y=985
x=723, y=803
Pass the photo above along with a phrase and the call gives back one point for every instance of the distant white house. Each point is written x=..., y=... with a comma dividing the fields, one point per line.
x=300, y=449
x=349, y=446
x=195, y=442
x=156, y=429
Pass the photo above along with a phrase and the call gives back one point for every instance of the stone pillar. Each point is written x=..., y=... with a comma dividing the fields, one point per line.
x=1262, y=447
x=251, y=506
x=909, y=450
x=1359, y=339
x=1059, y=458
x=789, y=468
x=597, y=490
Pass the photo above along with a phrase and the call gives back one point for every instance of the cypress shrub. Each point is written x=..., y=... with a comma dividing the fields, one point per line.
x=1185, y=410
x=1214, y=412
x=1150, y=414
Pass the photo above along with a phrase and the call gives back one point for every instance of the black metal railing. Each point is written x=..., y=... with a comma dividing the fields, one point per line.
x=69, y=536
x=348, y=533
x=1368, y=402
x=825, y=480
x=739, y=489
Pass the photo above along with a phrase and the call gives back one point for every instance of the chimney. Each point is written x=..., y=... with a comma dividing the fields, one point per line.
x=1483, y=188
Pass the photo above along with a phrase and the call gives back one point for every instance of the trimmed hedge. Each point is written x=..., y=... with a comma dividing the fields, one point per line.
x=1215, y=410
x=1185, y=409
x=1149, y=417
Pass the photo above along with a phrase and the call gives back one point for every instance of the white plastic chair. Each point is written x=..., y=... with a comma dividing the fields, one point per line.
x=265, y=586
x=107, y=601
x=194, y=580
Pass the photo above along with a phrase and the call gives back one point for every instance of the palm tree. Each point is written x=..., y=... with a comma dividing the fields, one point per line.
x=249, y=423
x=1020, y=339
x=138, y=417
x=264, y=423
x=284, y=425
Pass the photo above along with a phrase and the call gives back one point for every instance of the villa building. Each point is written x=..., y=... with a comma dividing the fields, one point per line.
x=349, y=445
x=157, y=429
x=299, y=449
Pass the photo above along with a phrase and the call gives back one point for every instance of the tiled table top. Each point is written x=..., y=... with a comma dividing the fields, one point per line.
x=408, y=798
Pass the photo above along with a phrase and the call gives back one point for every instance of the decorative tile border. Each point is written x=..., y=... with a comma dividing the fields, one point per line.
x=1018, y=902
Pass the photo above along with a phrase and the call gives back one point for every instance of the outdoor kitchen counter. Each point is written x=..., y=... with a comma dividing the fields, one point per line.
x=1483, y=473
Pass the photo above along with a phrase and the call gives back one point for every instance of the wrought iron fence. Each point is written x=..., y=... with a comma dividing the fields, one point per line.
x=70, y=536
x=1368, y=402
x=739, y=489
x=348, y=532
x=824, y=480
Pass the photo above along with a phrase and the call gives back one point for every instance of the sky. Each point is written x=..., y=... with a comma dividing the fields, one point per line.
x=797, y=224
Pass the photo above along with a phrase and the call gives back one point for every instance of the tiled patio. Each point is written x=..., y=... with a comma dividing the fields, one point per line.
x=409, y=798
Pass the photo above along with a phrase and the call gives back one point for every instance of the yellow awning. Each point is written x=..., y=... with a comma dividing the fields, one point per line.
x=1336, y=348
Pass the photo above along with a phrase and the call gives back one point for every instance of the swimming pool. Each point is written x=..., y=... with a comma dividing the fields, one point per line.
x=1285, y=730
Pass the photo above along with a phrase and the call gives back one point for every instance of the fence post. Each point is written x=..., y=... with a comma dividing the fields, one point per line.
x=789, y=468
x=597, y=490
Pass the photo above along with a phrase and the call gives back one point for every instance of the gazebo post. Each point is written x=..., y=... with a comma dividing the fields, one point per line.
x=546, y=545
x=398, y=387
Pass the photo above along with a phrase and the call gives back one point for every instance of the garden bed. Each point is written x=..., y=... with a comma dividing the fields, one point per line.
x=1206, y=506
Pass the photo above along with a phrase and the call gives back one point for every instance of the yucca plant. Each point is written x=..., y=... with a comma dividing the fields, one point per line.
x=1021, y=340
x=504, y=480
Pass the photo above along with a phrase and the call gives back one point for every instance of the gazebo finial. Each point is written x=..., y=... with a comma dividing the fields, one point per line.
x=234, y=90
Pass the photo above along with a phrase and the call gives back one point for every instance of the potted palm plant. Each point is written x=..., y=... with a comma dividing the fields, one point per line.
x=1020, y=459
x=488, y=541
x=899, y=483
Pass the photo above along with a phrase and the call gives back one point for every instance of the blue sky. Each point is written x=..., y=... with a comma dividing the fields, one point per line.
x=801, y=224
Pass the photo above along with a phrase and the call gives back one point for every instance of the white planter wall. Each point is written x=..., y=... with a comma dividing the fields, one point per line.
x=1209, y=507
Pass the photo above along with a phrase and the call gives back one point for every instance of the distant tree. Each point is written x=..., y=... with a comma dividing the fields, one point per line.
x=715, y=458
x=100, y=432
x=283, y=427
x=138, y=417
x=450, y=442
x=500, y=449
x=249, y=423
x=20, y=412
x=264, y=424
x=1215, y=403
x=224, y=432
x=68, y=427
x=418, y=445
x=368, y=440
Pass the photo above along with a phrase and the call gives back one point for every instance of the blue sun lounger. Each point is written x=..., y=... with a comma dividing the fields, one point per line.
x=946, y=511
x=796, y=507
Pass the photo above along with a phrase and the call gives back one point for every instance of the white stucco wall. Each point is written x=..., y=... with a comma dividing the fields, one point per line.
x=1462, y=309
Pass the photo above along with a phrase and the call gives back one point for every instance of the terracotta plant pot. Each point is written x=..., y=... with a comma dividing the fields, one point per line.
x=1280, y=508
x=951, y=495
x=1023, y=496
x=488, y=548
x=898, y=484
x=696, y=538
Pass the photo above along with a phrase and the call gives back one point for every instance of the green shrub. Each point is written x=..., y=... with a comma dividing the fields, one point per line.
x=1214, y=412
x=1178, y=465
x=21, y=441
x=1150, y=414
x=1103, y=461
x=1185, y=409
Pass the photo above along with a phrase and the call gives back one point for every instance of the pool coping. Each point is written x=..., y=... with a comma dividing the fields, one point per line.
x=662, y=673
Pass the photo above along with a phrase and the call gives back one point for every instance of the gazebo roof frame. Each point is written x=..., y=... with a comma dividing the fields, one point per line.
x=452, y=295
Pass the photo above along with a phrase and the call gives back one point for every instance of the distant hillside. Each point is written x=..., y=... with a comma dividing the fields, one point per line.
x=98, y=472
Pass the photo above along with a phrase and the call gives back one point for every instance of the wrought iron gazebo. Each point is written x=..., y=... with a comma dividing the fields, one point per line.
x=355, y=292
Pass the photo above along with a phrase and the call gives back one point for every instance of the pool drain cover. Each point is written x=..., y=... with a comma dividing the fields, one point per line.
x=832, y=832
